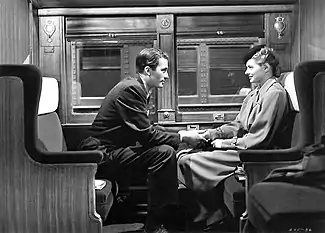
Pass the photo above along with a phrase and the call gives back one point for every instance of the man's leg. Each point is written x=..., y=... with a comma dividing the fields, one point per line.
x=160, y=165
x=162, y=181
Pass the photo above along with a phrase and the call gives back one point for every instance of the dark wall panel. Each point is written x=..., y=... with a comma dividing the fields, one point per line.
x=14, y=31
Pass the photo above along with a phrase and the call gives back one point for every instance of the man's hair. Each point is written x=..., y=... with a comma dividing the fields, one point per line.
x=149, y=57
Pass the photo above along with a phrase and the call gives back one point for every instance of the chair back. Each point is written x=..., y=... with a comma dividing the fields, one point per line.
x=40, y=191
x=319, y=107
x=21, y=99
x=290, y=127
x=49, y=126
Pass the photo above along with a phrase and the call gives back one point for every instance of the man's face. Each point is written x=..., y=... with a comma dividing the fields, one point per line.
x=158, y=77
x=255, y=71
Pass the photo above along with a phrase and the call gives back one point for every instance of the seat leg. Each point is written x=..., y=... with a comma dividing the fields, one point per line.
x=242, y=222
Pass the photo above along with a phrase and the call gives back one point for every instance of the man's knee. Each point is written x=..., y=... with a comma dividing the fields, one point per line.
x=163, y=156
x=167, y=151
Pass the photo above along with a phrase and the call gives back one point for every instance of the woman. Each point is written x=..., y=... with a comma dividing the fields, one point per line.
x=256, y=126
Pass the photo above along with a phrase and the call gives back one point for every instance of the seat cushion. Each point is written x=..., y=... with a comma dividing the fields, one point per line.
x=50, y=132
x=290, y=206
x=104, y=200
x=234, y=196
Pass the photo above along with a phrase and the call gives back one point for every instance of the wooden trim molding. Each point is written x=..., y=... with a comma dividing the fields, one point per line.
x=166, y=97
x=164, y=10
x=217, y=41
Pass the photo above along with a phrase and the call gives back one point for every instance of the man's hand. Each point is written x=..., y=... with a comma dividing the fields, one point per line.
x=205, y=134
x=192, y=137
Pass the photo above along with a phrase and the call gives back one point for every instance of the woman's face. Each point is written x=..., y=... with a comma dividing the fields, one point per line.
x=255, y=72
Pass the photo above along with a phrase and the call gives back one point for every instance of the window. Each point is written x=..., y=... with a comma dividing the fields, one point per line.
x=220, y=78
x=227, y=78
x=187, y=74
x=94, y=68
x=97, y=67
x=99, y=70
x=210, y=73
x=211, y=79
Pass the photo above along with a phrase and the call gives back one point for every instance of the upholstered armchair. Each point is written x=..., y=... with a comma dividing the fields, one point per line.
x=40, y=191
x=287, y=205
x=51, y=138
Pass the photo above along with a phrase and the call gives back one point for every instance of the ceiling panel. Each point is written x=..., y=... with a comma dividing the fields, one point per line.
x=143, y=3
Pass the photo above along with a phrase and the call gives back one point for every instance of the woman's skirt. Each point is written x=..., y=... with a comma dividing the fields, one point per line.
x=203, y=173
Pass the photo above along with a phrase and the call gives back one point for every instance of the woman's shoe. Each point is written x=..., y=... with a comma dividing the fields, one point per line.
x=160, y=229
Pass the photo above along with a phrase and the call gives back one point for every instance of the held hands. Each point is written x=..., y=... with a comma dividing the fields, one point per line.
x=192, y=137
x=196, y=138
x=205, y=134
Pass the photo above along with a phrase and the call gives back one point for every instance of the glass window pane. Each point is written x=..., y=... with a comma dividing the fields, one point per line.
x=96, y=83
x=187, y=57
x=187, y=83
x=227, y=81
x=99, y=58
x=227, y=57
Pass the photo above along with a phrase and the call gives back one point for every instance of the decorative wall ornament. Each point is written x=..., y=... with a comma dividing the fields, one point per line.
x=165, y=23
x=49, y=29
x=279, y=26
x=166, y=115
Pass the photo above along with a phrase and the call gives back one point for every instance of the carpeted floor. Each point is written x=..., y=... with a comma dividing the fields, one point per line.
x=121, y=228
x=131, y=227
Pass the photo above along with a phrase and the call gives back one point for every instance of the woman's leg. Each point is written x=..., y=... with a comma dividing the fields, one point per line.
x=203, y=174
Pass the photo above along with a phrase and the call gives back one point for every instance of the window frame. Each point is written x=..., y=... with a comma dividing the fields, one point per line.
x=211, y=108
x=190, y=99
x=92, y=102
x=86, y=111
x=234, y=99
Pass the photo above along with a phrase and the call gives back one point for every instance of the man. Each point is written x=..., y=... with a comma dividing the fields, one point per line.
x=122, y=130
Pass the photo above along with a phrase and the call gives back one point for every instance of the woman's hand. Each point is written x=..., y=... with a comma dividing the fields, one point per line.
x=224, y=143
x=217, y=143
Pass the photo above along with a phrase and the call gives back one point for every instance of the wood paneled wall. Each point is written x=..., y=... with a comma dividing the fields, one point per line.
x=309, y=44
x=14, y=31
x=310, y=31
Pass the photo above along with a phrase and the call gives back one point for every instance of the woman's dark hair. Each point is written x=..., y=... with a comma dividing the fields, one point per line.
x=149, y=57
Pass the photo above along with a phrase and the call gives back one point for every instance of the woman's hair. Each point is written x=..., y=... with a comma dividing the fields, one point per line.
x=267, y=55
x=149, y=57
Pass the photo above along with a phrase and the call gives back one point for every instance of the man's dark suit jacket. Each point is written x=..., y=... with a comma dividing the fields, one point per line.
x=122, y=119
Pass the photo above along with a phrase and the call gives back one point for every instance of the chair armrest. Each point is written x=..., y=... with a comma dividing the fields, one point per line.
x=291, y=154
x=68, y=157
x=259, y=163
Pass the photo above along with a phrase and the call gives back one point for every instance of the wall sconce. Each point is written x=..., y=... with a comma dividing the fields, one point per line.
x=279, y=26
x=49, y=30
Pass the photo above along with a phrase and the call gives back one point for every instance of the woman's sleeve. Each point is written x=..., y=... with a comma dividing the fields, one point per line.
x=267, y=120
x=234, y=128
